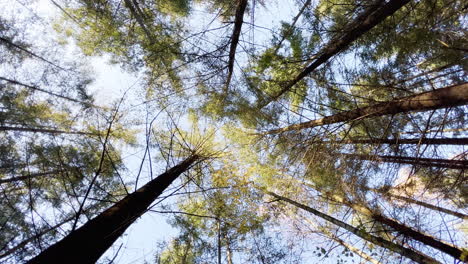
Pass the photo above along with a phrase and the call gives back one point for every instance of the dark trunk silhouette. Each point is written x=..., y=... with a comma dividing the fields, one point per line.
x=459, y=164
x=238, y=21
x=28, y=176
x=35, y=88
x=87, y=243
x=440, y=98
x=402, y=141
x=136, y=12
x=377, y=12
x=9, y=43
x=406, y=252
x=44, y=130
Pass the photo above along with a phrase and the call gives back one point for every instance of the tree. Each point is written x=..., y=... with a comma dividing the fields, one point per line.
x=112, y=223
x=362, y=105
x=440, y=98
x=418, y=257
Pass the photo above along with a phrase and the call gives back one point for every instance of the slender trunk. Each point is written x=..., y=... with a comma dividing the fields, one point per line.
x=356, y=250
x=134, y=10
x=35, y=88
x=440, y=98
x=229, y=252
x=389, y=195
x=397, y=141
x=219, y=241
x=401, y=228
x=406, y=252
x=424, y=162
x=340, y=241
x=32, y=54
x=28, y=176
x=238, y=21
x=375, y=14
x=290, y=29
x=436, y=131
x=44, y=130
x=87, y=243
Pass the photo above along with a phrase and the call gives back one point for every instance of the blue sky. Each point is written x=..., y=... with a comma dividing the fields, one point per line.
x=140, y=241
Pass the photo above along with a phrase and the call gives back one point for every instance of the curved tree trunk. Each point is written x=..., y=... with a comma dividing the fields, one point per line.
x=440, y=98
x=406, y=252
x=87, y=243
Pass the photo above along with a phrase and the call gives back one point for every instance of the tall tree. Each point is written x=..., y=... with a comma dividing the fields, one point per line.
x=441, y=98
x=97, y=235
x=418, y=257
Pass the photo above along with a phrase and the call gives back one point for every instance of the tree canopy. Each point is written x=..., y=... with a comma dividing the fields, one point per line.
x=261, y=131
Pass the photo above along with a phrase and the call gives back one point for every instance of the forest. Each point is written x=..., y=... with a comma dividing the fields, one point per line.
x=233, y=131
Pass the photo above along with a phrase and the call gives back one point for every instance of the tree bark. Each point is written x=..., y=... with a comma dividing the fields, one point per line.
x=451, y=96
x=357, y=251
x=340, y=241
x=401, y=228
x=374, y=15
x=389, y=195
x=87, y=243
x=402, y=141
x=32, y=54
x=35, y=88
x=406, y=252
x=44, y=130
x=424, y=162
x=139, y=19
x=28, y=176
x=238, y=21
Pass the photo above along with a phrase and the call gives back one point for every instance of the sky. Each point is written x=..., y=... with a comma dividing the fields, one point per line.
x=141, y=240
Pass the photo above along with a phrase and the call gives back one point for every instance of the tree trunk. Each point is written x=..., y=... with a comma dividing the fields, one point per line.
x=440, y=98
x=87, y=243
x=32, y=54
x=397, y=141
x=44, y=130
x=35, y=88
x=290, y=29
x=28, y=176
x=238, y=21
x=375, y=14
x=406, y=252
x=340, y=241
x=139, y=19
x=389, y=195
x=356, y=250
x=401, y=228
x=424, y=162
